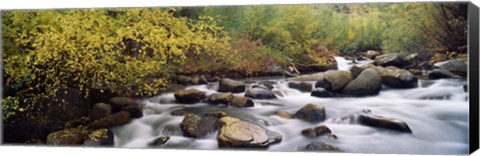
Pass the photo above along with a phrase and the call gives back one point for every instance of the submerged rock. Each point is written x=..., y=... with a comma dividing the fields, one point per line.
x=189, y=96
x=235, y=133
x=285, y=115
x=383, y=122
x=320, y=146
x=316, y=131
x=229, y=85
x=369, y=82
x=159, y=141
x=312, y=113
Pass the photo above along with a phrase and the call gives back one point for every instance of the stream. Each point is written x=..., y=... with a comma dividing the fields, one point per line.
x=436, y=112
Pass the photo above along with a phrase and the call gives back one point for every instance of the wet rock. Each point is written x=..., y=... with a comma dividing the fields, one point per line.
x=312, y=113
x=196, y=125
x=320, y=146
x=229, y=85
x=259, y=93
x=320, y=92
x=73, y=136
x=284, y=115
x=356, y=70
x=159, y=141
x=120, y=102
x=392, y=59
x=309, y=77
x=239, y=101
x=454, y=66
x=117, y=119
x=442, y=73
x=189, y=96
x=383, y=122
x=135, y=111
x=101, y=137
x=323, y=83
x=301, y=86
x=369, y=82
x=337, y=79
x=332, y=137
x=235, y=133
x=100, y=110
x=397, y=78
x=220, y=98
x=372, y=54
x=316, y=131
x=170, y=129
x=265, y=86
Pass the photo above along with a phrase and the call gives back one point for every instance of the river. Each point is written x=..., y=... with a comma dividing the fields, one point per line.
x=436, y=112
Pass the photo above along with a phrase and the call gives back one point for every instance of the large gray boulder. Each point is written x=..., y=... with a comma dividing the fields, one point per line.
x=229, y=85
x=440, y=73
x=189, y=96
x=391, y=59
x=220, y=98
x=199, y=125
x=369, y=82
x=337, y=79
x=397, y=78
x=311, y=113
x=455, y=66
x=235, y=133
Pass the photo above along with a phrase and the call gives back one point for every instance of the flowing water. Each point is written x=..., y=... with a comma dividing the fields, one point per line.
x=436, y=112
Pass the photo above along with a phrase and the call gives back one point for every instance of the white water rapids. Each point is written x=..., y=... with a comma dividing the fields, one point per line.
x=436, y=112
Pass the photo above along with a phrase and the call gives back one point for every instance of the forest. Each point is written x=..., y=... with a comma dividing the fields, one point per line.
x=140, y=52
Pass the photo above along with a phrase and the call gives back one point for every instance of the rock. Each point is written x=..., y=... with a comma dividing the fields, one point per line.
x=119, y=102
x=117, y=119
x=320, y=92
x=195, y=80
x=383, y=122
x=455, y=66
x=442, y=73
x=397, y=78
x=355, y=71
x=236, y=133
x=220, y=98
x=312, y=113
x=189, y=96
x=337, y=79
x=369, y=82
x=392, y=59
x=159, y=141
x=284, y=115
x=184, y=80
x=72, y=136
x=135, y=111
x=100, y=110
x=320, y=146
x=196, y=125
x=74, y=105
x=323, y=83
x=302, y=86
x=259, y=93
x=229, y=85
x=268, y=84
x=262, y=86
x=203, y=80
x=316, y=131
x=239, y=101
x=372, y=54
x=332, y=136
x=309, y=77
x=99, y=137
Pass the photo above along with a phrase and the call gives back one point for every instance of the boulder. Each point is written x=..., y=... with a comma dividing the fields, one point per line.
x=320, y=146
x=72, y=136
x=120, y=102
x=73, y=105
x=229, y=85
x=391, y=59
x=134, y=111
x=312, y=113
x=199, y=125
x=397, y=78
x=159, y=141
x=117, y=119
x=372, y=54
x=355, y=71
x=189, y=96
x=302, y=86
x=440, y=73
x=220, y=98
x=101, y=137
x=308, y=77
x=100, y=110
x=239, y=101
x=383, y=122
x=455, y=66
x=320, y=92
x=235, y=133
x=369, y=82
x=316, y=131
x=337, y=79
x=184, y=80
x=259, y=93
